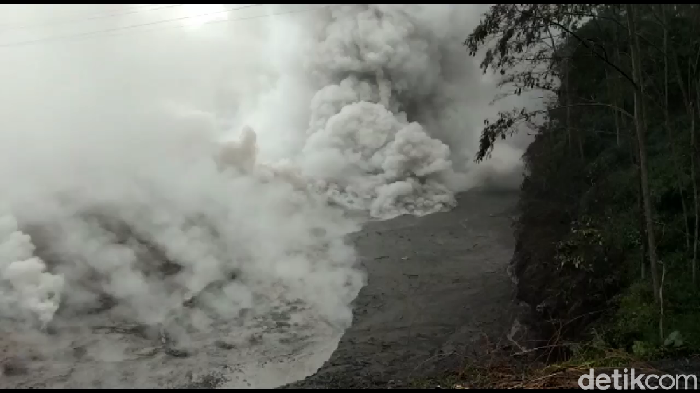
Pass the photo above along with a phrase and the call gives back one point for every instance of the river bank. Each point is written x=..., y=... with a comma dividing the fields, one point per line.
x=438, y=290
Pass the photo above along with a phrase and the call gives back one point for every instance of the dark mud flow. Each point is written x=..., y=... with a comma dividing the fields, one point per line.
x=437, y=284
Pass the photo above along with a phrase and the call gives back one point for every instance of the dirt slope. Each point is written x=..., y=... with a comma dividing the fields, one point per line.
x=437, y=284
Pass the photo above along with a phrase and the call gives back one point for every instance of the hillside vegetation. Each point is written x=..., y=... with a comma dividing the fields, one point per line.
x=608, y=232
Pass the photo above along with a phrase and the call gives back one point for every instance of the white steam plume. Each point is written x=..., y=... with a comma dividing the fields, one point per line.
x=394, y=110
x=25, y=285
x=129, y=198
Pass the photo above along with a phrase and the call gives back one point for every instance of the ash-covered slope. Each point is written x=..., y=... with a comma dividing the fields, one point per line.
x=123, y=212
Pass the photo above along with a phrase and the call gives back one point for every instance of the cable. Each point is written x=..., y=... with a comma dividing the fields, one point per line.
x=61, y=16
x=227, y=20
x=88, y=18
x=118, y=30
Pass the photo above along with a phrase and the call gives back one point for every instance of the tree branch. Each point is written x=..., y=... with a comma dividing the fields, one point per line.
x=604, y=58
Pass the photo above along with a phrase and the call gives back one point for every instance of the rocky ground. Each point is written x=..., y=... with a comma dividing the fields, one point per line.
x=438, y=288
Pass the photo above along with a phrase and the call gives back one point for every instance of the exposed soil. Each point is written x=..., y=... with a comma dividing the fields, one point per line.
x=437, y=286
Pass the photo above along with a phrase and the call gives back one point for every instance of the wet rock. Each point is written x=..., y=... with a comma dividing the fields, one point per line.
x=104, y=303
x=150, y=351
x=244, y=313
x=208, y=381
x=255, y=338
x=177, y=352
x=49, y=329
x=13, y=367
x=279, y=316
x=79, y=352
x=189, y=302
x=224, y=345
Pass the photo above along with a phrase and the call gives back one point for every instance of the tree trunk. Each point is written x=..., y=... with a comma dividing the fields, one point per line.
x=672, y=145
x=612, y=93
x=687, y=94
x=614, y=87
x=694, y=263
x=642, y=227
x=697, y=113
x=693, y=175
x=568, y=103
x=640, y=126
x=641, y=221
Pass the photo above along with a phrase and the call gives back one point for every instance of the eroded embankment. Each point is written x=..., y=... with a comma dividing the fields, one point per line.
x=438, y=288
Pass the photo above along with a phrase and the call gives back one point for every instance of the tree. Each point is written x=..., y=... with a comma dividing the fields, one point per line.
x=641, y=127
x=520, y=30
x=620, y=126
x=532, y=34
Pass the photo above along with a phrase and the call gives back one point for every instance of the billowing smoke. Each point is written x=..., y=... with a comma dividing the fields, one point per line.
x=392, y=120
x=179, y=178
x=111, y=226
x=27, y=286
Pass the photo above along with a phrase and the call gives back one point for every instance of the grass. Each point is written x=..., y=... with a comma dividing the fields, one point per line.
x=517, y=374
x=496, y=368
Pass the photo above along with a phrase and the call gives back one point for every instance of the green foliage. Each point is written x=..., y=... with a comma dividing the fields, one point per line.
x=594, y=353
x=674, y=340
x=581, y=234
x=635, y=325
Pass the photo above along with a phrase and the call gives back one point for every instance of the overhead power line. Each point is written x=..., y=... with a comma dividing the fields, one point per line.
x=61, y=21
x=128, y=29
